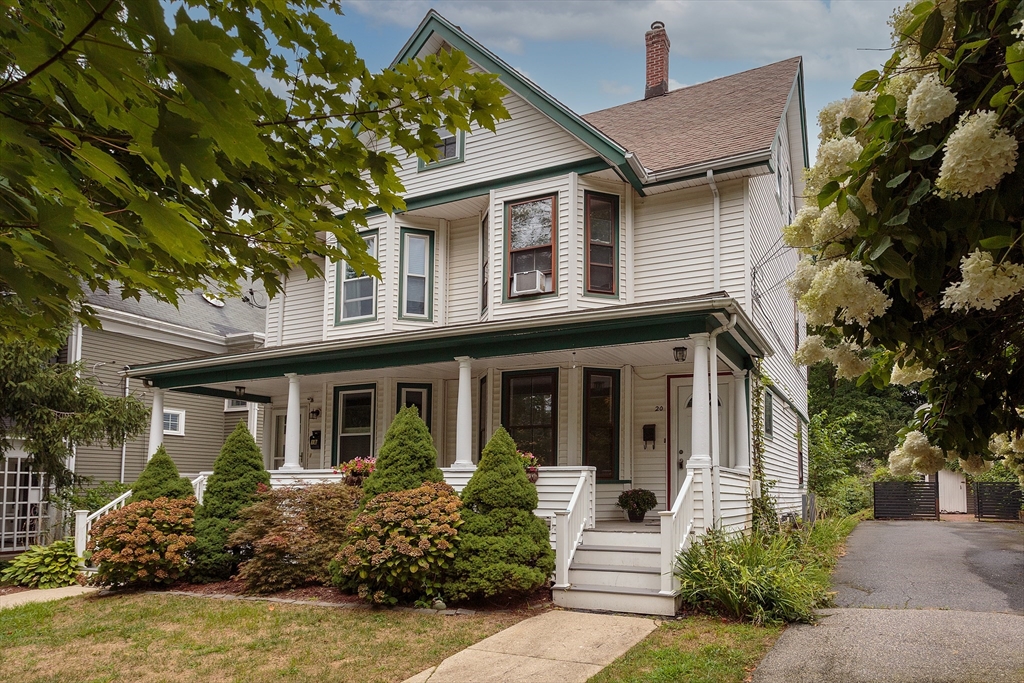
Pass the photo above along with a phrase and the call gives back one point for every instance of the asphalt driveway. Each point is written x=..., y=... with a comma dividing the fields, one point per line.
x=916, y=601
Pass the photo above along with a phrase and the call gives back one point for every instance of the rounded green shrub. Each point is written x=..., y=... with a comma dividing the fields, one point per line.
x=44, y=566
x=407, y=458
x=504, y=548
x=401, y=546
x=160, y=479
x=237, y=475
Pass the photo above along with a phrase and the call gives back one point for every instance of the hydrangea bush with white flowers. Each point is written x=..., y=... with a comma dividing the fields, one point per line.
x=913, y=232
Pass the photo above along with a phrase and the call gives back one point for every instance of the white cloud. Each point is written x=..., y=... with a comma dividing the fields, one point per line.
x=614, y=87
x=673, y=84
x=828, y=36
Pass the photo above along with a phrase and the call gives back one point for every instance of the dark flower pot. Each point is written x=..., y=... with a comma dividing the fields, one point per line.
x=533, y=474
x=354, y=480
x=636, y=516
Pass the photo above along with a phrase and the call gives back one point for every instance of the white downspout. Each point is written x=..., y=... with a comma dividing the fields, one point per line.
x=716, y=450
x=124, y=444
x=717, y=235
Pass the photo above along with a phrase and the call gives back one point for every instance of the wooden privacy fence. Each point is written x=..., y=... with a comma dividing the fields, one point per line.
x=907, y=499
x=997, y=500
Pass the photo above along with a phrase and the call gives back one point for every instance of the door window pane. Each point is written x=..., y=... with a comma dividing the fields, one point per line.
x=601, y=421
x=529, y=413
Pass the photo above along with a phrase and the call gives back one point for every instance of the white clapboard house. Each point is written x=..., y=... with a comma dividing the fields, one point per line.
x=596, y=284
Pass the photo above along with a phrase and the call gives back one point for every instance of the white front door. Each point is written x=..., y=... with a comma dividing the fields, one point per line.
x=682, y=402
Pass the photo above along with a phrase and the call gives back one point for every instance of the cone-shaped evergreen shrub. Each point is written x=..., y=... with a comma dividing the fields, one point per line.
x=406, y=459
x=237, y=473
x=504, y=549
x=160, y=479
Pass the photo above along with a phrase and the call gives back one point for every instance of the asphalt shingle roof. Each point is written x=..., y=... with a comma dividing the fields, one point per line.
x=700, y=123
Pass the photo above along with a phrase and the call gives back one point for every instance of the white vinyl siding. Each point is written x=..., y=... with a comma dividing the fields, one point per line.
x=650, y=461
x=386, y=249
x=302, y=300
x=463, y=280
x=780, y=462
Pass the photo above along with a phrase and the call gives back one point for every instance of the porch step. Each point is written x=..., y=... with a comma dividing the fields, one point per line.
x=621, y=539
x=615, y=577
x=616, y=599
x=617, y=556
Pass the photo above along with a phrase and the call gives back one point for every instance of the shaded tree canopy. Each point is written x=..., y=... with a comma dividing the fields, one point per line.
x=166, y=153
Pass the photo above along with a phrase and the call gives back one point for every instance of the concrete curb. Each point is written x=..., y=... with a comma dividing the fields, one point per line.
x=43, y=595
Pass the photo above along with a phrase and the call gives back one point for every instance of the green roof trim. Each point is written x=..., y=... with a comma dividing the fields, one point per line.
x=487, y=60
x=310, y=360
x=222, y=393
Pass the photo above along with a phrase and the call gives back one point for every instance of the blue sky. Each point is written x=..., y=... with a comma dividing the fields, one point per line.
x=590, y=54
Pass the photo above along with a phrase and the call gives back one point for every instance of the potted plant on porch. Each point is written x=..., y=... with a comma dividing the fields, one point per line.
x=636, y=503
x=356, y=470
x=530, y=465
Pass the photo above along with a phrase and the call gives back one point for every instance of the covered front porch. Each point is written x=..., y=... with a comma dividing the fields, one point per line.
x=607, y=400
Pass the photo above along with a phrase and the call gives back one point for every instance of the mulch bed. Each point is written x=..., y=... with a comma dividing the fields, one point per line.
x=7, y=590
x=536, y=601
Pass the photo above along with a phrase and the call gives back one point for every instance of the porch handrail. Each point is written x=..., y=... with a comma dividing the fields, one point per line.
x=676, y=527
x=570, y=524
x=199, y=486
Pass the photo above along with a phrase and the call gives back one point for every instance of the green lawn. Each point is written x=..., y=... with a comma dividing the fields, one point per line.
x=150, y=638
x=694, y=650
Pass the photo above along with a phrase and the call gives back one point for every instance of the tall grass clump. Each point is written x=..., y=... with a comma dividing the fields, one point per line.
x=763, y=578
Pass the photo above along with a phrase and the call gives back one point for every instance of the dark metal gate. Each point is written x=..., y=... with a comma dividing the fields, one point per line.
x=907, y=499
x=997, y=500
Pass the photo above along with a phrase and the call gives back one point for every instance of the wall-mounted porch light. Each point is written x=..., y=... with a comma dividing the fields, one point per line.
x=239, y=392
x=679, y=353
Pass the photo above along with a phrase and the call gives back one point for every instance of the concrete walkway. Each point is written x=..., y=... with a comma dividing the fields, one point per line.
x=554, y=647
x=43, y=595
x=924, y=602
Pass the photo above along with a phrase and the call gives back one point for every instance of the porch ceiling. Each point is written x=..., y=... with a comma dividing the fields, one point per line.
x=613, y=326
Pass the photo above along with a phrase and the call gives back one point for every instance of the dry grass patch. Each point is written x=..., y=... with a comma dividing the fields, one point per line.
x=150, y=638
x=697, y=650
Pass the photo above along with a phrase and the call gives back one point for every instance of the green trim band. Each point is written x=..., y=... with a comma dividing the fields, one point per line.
x=222, y=393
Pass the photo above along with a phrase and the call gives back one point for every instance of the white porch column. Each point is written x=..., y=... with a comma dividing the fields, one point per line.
x=156, y=423
x=252, y=417
x=464, y=416
x=700, y=414
x=292, y=425
x=741, y=429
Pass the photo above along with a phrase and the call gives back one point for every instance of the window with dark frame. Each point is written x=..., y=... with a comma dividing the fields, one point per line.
x=602, y=219
x=482, y=400
x=418, y=395
x=529, y=411
x=355, y=425
x=448, y=147
x=601, y=421
x=485, y=269
x=799, y=453
x=531, y=238
x=769, y=417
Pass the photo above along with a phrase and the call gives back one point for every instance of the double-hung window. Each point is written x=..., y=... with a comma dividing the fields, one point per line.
x=449, y=149
x=353, y=422
x=417, y=273
x=357, y=292
x=417, y=395
x=529, y=411
x=602, y=214
x=485, y=268
x=769, y=413
x=532, y=228
x=601, y=421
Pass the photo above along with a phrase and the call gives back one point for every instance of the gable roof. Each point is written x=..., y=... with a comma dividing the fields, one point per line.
x=728, y=117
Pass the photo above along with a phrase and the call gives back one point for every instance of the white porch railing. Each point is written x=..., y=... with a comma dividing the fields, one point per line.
x=570, y=524
x=677, y=528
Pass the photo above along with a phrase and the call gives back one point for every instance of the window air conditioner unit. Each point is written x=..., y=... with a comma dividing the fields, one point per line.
x=530, y=282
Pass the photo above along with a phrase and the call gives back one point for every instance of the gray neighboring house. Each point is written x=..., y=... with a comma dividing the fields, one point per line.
x=147, y=331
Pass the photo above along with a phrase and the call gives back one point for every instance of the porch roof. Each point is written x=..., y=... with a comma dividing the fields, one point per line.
x=614, y=325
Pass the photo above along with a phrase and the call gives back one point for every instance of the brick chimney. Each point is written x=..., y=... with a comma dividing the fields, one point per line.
x=657, y=60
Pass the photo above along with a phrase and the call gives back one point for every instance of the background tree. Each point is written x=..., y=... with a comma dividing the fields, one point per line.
x=914, y=267
x=54, y=407
x=160, y=479
x=160, y=155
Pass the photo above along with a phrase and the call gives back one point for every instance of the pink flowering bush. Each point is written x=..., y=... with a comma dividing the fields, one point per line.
x=358, y=467
x=529, y=459
x=401, y=545
x=143, y=543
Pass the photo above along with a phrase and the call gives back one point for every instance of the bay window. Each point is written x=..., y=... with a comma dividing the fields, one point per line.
x=532, y=226
x=601, y=218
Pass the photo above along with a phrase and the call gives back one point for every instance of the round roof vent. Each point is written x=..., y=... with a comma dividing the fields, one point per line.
x=212, y=300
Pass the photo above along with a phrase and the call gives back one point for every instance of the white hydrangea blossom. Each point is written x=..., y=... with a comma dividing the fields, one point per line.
x=900, y=463
x=800, y=233
x=930, y=103
x=831, y=227
x=975, y=464
x=834, y=158
x=803, y=278
x=812, y=350
x=910, y=374
x=842, y=285
x=985, y=283
x=828, y=121
x=921, y=455
x=977, y=156
x=849, y=362
x=859, y=106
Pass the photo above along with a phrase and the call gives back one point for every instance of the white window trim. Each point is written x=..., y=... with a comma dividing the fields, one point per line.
x=428, y=276
x=342, y=279
x=228, y=408
x=181, y=422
